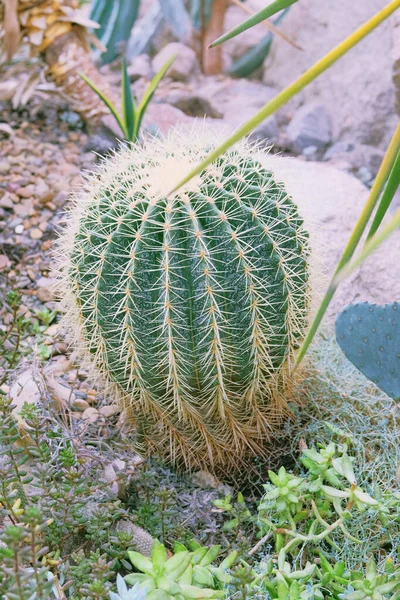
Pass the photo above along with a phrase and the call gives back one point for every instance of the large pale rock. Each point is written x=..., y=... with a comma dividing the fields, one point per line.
x=236, y=99
x=185, y=64
x=330, y=202
x=358, y=90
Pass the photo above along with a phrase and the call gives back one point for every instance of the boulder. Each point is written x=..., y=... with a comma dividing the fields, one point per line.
x=310, y=127
x=330, y=202
x=161, y=117
x=358, y=90
x=185, y=65
x=140, y=67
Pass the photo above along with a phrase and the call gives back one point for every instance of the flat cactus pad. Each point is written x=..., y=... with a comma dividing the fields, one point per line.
x=369, y=335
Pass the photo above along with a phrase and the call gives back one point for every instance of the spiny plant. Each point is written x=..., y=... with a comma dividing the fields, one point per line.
x=191, y=304
x=368, y=334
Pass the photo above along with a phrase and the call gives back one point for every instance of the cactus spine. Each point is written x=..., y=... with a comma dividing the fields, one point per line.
x=192, y=305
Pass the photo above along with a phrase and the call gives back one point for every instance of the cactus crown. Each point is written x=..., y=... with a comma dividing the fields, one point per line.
x=191, y=305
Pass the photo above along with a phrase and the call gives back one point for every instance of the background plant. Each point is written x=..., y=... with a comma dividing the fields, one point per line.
x=132, y=116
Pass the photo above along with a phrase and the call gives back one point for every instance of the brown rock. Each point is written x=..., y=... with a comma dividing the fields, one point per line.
x=45, y=288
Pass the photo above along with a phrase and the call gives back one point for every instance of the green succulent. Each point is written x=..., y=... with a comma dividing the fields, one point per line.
x=184, y=575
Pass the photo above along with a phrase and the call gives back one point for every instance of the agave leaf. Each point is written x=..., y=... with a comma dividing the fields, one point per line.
x=254, y=58
x=196, y=7
x=106, y=101
x=128, y=103
x=259, y=16
x=177, y=17
x=149, y=93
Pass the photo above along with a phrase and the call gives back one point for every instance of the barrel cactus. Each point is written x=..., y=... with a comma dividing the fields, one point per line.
x=190, y=305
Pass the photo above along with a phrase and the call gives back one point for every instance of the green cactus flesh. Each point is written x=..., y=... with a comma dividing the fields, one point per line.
x=192, y=305
x=369, y=336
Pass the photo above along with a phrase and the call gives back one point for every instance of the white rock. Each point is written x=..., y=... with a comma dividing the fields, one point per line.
x=330, y=202
x=185, y=65
x=45, y=288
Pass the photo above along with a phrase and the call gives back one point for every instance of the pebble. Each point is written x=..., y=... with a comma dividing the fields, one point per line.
x=80, y=405
x=26, y=192
x=109, y=410
x=19, y=229
x=4, y=167
x=4, y=262
x=36, y=233
x=91, y=414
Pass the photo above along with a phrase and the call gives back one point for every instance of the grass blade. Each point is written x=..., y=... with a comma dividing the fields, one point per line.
x=391, y=188
x=355, y=237
x=293, y=89
x=369, y=247
x=149, y=93
x=106, y=101
x=259, y=16
x=128, y=103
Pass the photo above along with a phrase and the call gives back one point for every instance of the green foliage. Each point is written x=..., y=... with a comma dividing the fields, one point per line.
x=192, y=305
x=185, y=575
x=369, y=336
x=116, y=20
x=255, y=57
x=258, y=17
x=131, y=118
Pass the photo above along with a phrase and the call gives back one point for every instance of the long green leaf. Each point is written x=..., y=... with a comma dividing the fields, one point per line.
x=149, y=93
x=369, y=248
x=106, y=101
x=128, y=103
x=254, y=58
x=391, y=188
x=258, y=17
x=293, y=89
x=355, y=237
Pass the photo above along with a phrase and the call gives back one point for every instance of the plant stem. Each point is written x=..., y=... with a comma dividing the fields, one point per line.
x=355, y=237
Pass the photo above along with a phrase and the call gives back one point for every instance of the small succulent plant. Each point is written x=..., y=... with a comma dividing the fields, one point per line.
x=369, y=336
x=135, y=593
x=184, y=575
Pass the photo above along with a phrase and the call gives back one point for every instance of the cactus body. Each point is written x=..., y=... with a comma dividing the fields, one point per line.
x=194, y=304
x=369, y=336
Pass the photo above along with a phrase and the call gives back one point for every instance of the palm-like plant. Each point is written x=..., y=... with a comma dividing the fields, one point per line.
x=56, y=30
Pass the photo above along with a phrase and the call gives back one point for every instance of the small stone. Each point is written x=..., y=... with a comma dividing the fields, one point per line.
x=91, y=414
x=4, y=262
x=140, y=67
x=109, y=410
x=185, y=64
x=45, y=288
x=6, y=201
x=4, y=167
x=36, y=233
x=310, y=126
x=80, y=405
x=26, y=192
x=19, y=229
